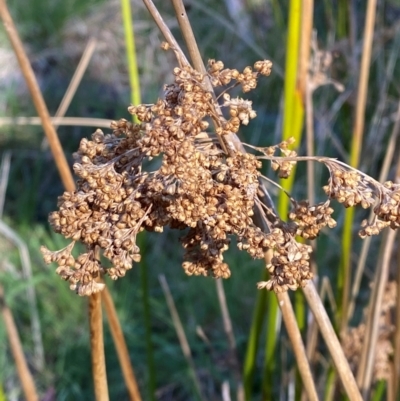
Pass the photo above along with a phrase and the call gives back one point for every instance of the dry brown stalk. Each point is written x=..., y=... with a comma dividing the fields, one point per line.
x=120, y=345
x=97, y=348
x=75, y=81
x=55, y=146
x=74, y=121
x=358, y=128
x=365, y=369
x=66, y=177
x=390, y=149
x=396, y=340
x=359, y=120
x=25, y=376
x=332, y=342
x=297, y=343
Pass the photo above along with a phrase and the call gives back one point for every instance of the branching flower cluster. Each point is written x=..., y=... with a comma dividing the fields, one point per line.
x=199, y=188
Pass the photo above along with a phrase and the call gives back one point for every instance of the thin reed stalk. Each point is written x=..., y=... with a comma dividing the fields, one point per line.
x=25, y=376
x=396, y=335
x=73, y=85
x=344, y=276
x=332, y=342
x=4, y=174
x=228, y=328
x=367, y=358
x=342, y=19
x=390, y=149
x=181, y=334
x=292, y=126
x=74, y=121
x=249, y=367
x=37, y=97
x=97, y=348
x=98, y=358
x=306, y=25
x=120, y=346
x=297, y=344
x=272, y=333
x=293, y=99
x=129, y=36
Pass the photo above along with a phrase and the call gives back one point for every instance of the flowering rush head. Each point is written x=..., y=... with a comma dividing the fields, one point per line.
x=203, y=187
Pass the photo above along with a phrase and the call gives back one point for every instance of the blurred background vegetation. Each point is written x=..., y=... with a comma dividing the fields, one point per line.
x=55, y=34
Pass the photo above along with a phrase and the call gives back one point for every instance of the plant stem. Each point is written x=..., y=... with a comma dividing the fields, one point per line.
x=364, y=374
x=344, y=276
x=332, y=342
x=97, y=348
x=231, y=338
x=136, y=100
x=271, y=341
x=253, y=340
x=396, y=353
x=390, y=149
x=293, y=98
x=129, y=35
x=120, y=346
x=59, y=157
x=162, y=26
x=297, y=344
x=25, y=376
x=37, y=97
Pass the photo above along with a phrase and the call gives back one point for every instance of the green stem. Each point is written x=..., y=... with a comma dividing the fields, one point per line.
x=131, y=52
x=252, y=344
x=129, y=34
x=268, y=384
x=379, y=391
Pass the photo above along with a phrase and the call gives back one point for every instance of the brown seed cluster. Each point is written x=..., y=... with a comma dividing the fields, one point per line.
x=388, y=207
x=290, y=264
x=247, y=79
x=311, y=219
x=197, y=188
x=351, y=187
x=285, y=164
